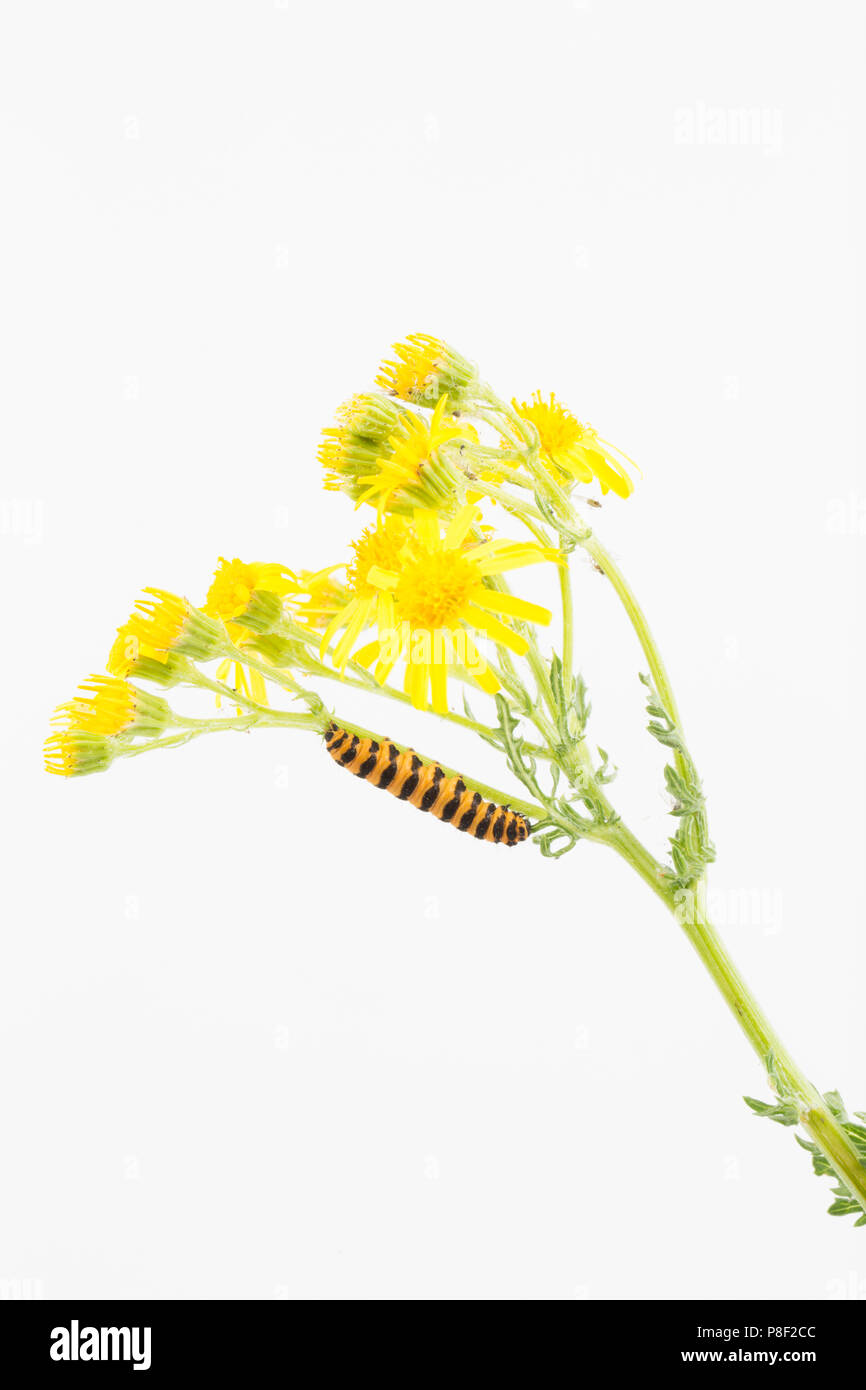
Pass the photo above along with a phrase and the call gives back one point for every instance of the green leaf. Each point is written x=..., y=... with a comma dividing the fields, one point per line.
x=785, y=1112
x=835, y=1104
x=690, y=847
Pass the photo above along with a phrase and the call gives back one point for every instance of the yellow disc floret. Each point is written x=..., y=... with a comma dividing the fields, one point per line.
x=377, y=545
x=434, y=588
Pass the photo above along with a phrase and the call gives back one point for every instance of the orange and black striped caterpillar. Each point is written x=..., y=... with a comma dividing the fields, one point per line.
x=425, y=786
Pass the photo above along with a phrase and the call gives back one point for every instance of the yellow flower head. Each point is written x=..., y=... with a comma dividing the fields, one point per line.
x=166, y=623
x=247, y=596
x=378, y=546
x=351, y=448
x=106, y=705
x=425, y=370
x=573, y=449
x=438, y=592
x=248, y=599
x=371, y=415
x=75, y=753
x=129, y=656
x=416, y=466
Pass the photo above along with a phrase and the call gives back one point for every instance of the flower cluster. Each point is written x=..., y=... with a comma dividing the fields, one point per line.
x=423, y=588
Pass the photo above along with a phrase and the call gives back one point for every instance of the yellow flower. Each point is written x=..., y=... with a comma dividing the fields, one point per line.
x=353, y=445
x=377, y=546
x=106, y=705
x=76, y=752
x=371, y=415
x=574, y=449
x=413, y=470
x=165, y=622
x=427, y=369
x=247, y=597
x=382, y=453
x=236, y=595
x=344, y=456
x=129, y=656
x=439, y=593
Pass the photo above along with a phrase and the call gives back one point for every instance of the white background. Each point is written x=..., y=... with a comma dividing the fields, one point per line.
x=265, y=1033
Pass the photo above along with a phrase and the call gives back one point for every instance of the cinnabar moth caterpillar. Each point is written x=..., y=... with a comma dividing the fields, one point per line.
x=425, y=786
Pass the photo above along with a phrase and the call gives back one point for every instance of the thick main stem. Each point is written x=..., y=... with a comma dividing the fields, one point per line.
x=816, y=1118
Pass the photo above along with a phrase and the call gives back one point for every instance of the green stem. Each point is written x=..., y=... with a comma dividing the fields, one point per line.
x=528, y=514
x=268, y=719
x=816, y=1118
x=363, y=681
x=567, y=628
x=689, y=909
x=638, y=620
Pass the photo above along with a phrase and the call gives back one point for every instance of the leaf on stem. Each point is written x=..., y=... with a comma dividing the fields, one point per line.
x=691, y=847
x=786, y=1112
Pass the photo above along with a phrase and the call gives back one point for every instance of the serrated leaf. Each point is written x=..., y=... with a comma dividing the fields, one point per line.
x=845, y=1203
x=784, y=1113
x=835, y=1104
x=845, y=1207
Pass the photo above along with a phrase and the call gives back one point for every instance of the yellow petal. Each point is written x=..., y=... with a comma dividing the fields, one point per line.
x=439, y=686
x=336, y=622
x=512, y=606
x=417, y=674
x=427, y=526
x=477, y=668
x=382, y=579
x=458, y=528
x=384, y=667
x=571, y=461
x=505, y=636
x=515, y=558
x=258, y=688
x=609, y=476
x=366, y=655
x=619, y=453
x=436, y=418
x=355, y=625
x=390, y=655
x=385, y=612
